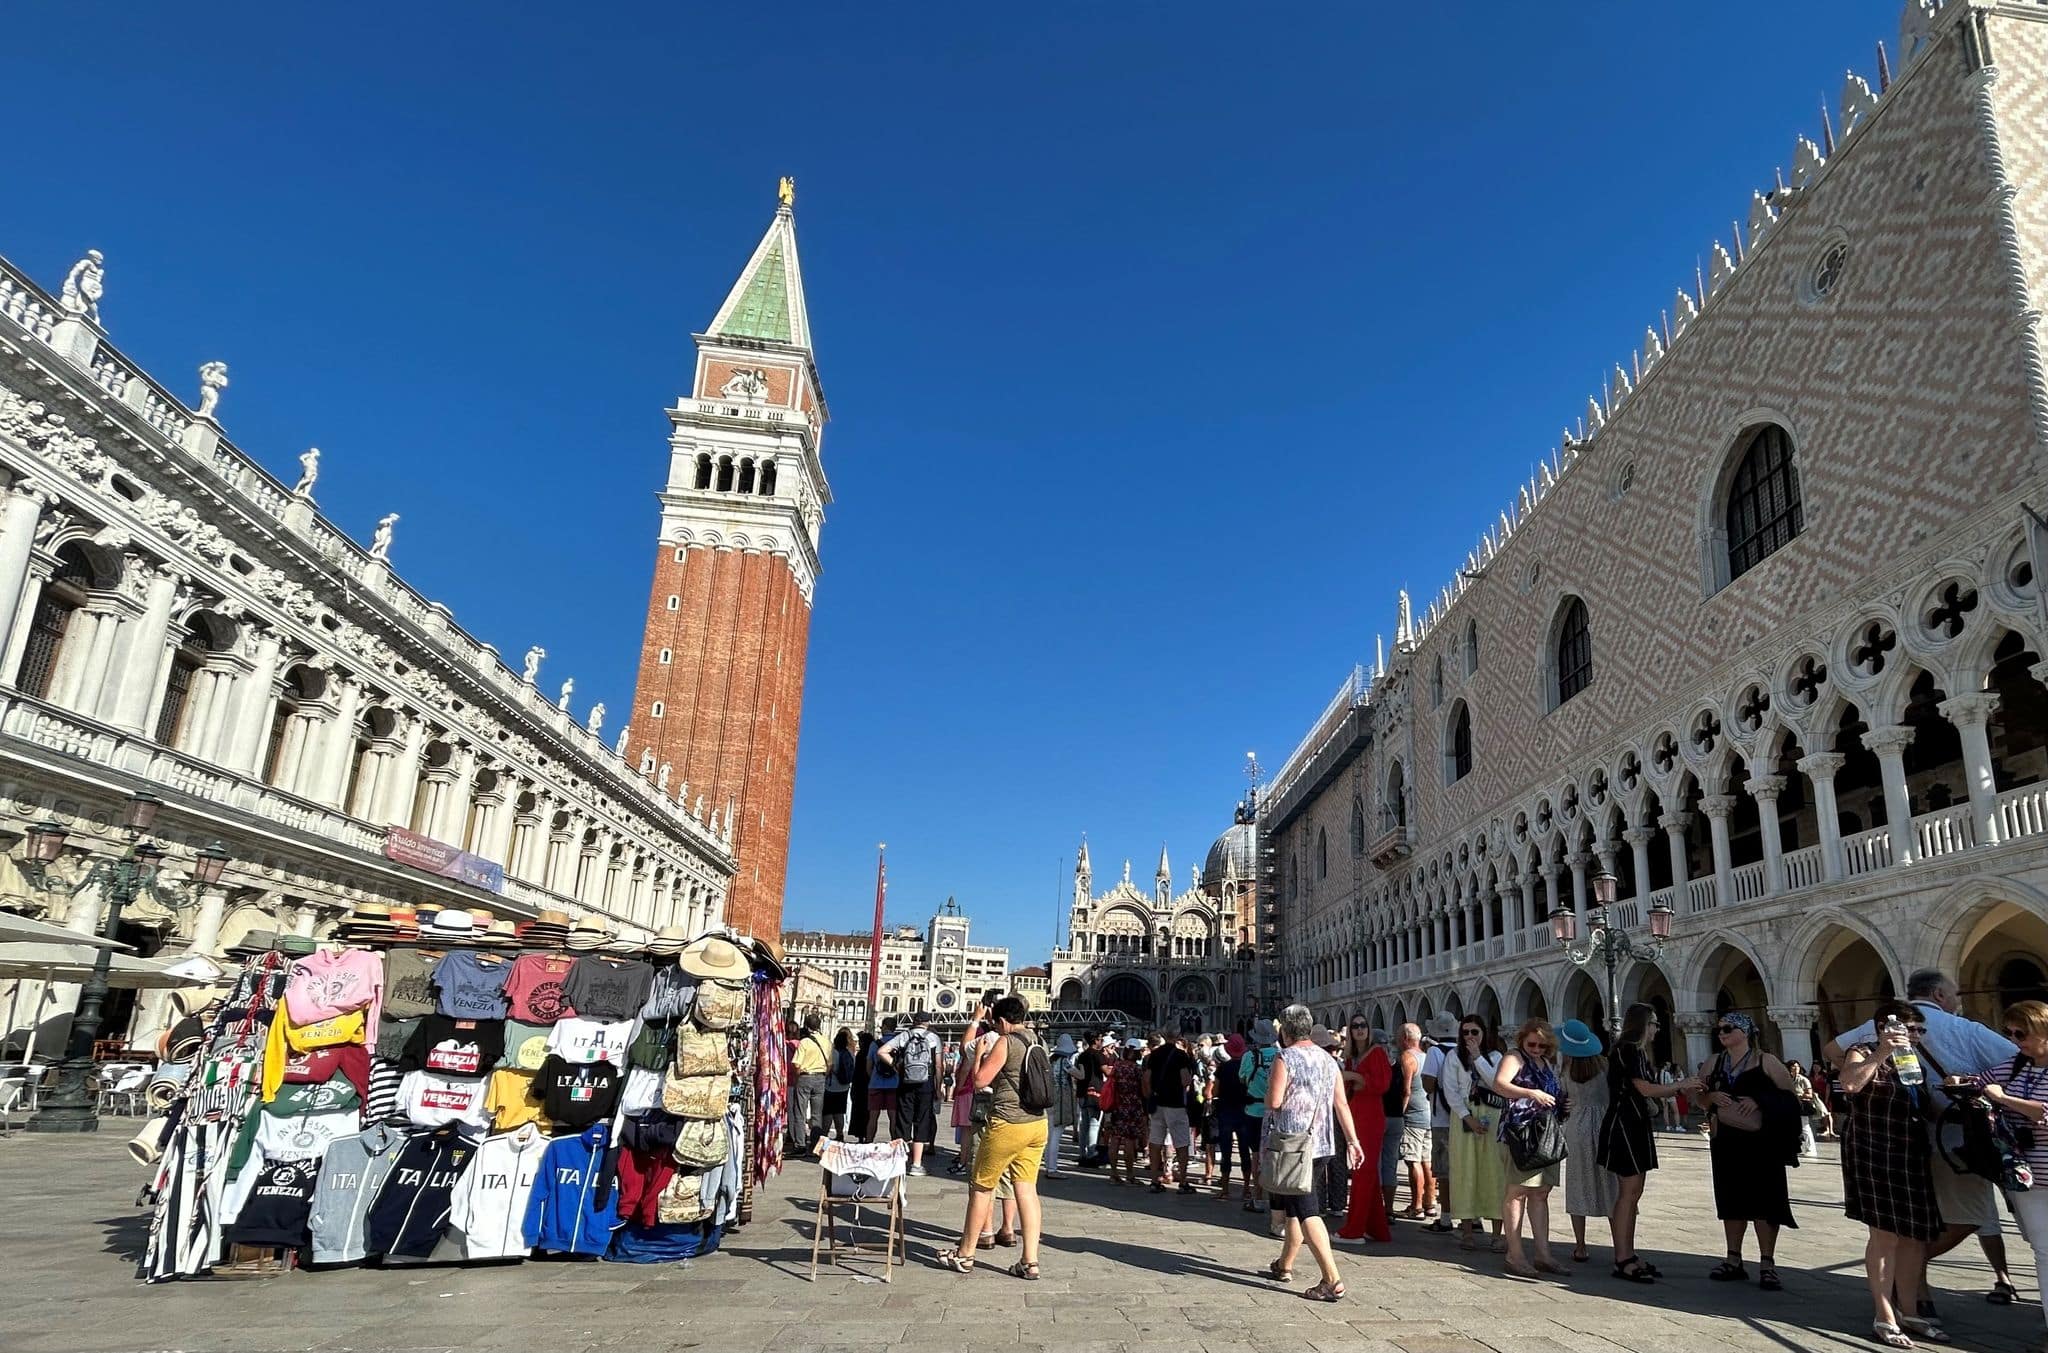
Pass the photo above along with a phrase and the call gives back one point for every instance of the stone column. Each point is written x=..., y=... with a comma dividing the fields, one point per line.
x=1577, y=861
x=20, y=508
x=1486, y=896
x=1550, y=902
x=338, y=748
x=134, y=680
x=1970, y=714
x=1820, y=769
x=1717, y=807
x=257, y=698
x=1674, y=825
x=213, y=902
x=82, y=660
x=1527, y=917
x=212, y=728
x=1765, y=789
x=1795, y=1031
x=401, y=779
x=453, y=815
x=1699, y=1038
x=307, y=919
x=1890, y=744
x=1639, y=839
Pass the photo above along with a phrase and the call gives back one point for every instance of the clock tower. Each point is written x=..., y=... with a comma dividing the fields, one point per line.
x=721, y=681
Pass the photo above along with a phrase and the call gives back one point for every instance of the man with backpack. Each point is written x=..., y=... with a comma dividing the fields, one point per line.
x=1255, y=1069
x=883, y=1083
x=914, y=1056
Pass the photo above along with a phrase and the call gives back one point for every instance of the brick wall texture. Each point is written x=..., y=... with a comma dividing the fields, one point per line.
x=732, y=695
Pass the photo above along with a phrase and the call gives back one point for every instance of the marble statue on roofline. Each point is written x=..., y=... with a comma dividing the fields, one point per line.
x=84, y=285
x=309, y=475
x=596, y=723
x=532, y=672
x=568, y=689
x=380, y=545
x=213, y=378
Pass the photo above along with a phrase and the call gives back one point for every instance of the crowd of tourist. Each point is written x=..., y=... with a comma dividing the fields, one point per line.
x=1939, y=1117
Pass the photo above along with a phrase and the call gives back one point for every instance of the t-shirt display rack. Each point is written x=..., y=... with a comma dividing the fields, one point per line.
x=323, y=1123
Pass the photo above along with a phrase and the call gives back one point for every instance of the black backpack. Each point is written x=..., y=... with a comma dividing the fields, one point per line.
x=1034, y=1079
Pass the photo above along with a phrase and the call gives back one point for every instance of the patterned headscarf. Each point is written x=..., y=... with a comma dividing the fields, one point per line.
x=1737, y=1020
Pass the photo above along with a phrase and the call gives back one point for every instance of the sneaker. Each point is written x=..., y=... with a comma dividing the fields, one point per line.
x=915, y=1171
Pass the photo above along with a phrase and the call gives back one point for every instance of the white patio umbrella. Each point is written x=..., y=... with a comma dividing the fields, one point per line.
x=16, y=928
x=50, y=963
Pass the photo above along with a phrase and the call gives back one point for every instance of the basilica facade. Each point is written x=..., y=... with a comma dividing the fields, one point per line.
x=1158, y=959
x=1761, y=647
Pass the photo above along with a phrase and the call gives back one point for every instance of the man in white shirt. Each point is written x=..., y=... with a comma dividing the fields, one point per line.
x=1959, y=1047
x=1443, y=1031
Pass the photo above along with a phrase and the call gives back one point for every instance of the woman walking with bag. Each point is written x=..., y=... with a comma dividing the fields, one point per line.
x=1532, y=1135
x=1303, y=1099
x=1627, y=1134
x=1367, y=1072
x=1477, y=1181
x=1749, y=1096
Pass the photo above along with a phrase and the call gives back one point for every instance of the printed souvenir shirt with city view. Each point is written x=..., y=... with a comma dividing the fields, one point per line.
x=604, y=988
x=533, y=989
x=465, y=1048
x=471, y=986
x=409, y=983
x=328, y=983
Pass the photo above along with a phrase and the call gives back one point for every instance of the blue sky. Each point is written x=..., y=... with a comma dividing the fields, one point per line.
x=1163, y=342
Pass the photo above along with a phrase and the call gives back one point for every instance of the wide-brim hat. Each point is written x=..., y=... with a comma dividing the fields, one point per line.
x=553, y=918
x=298, y=946
x=714, y=956
x=670, y=939
x=588, y=935
x=623, y=947
x=1265, y=1033
x=502, y=935
x=1443, y=1028
x=1574, y=1039
x=450, y=924
x=255, y=942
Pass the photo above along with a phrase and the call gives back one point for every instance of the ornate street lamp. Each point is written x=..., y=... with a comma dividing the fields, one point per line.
x=1608, y=943
x=71, y=1105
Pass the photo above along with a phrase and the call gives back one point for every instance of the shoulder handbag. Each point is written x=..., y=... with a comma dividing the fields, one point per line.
x=719, y=1005
x=699, y=1053
x=1536, y=1142
x=697, y=1097
x=703, y=1144
x=1287, y=1165
x=683, y=1199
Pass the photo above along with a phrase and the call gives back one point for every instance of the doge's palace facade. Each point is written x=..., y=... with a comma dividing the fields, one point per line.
x=176, y=619
x=1764, y=639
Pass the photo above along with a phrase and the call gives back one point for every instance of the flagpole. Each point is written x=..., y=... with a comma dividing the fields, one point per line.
x=875, y=944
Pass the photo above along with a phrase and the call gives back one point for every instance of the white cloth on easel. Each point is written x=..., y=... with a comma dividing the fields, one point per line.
x=881, y=1161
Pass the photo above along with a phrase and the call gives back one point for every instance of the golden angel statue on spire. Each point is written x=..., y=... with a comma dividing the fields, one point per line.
x=785, y=191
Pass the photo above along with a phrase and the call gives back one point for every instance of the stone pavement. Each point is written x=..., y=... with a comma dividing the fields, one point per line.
x=1125, y=1272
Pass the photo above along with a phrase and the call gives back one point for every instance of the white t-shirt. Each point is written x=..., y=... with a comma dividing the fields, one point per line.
x=430, y=1099
x=488, y=1210
x=1433, y=1067
x=590, y=1040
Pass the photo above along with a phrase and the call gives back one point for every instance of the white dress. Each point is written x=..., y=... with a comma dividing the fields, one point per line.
x=1589, y=1186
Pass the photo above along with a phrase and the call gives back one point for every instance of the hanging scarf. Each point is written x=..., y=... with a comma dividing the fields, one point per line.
x=771, y=1085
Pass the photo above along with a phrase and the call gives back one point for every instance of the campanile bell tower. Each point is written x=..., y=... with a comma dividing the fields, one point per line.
x=721, y=682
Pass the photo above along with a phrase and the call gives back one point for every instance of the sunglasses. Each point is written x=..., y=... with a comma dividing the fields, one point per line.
x=1727, y=1029
x=1358, y=1028
x=1916, y=1028
x=2015, y=1034
x=1471, y=1033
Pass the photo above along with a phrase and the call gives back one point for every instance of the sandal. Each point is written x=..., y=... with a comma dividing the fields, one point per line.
x=1325, y=1292
x=1006, y=1238
x=986, y=1241
x=1277, y=1273
x=1634, y=1270
x=1767, y=1279
x=955, y=1260
x=1730, y=1271
x=1924, y=1329
x=1520, y=1270
x=1580, y=1254
x=1550, y=1266
x=1025, y=1269
x=2001, y=1294
x=1889, y=1335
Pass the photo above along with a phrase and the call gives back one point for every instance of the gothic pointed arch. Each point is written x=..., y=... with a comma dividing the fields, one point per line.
x=1567, y=651
x=1457, y=743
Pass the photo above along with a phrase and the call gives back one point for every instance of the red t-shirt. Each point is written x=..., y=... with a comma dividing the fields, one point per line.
x=534, y=987
x=320, y=1065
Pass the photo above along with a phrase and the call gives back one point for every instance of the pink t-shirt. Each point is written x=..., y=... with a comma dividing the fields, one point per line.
x=325, y=984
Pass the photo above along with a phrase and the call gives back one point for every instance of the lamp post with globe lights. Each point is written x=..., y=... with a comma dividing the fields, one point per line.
x=71, y=1105
x=1607, y=942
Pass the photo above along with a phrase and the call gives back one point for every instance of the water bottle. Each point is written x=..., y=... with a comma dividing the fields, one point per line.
x=1905, y=1062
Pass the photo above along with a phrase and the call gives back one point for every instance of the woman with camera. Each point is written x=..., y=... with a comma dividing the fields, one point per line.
x=1885, y=1180
x=2019, y=1088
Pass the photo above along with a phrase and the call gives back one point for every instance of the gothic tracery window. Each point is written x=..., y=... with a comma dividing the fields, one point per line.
x=1574, y=651
x=1458, y=747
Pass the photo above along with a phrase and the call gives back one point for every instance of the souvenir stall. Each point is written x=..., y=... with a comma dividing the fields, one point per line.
x=454, y=1087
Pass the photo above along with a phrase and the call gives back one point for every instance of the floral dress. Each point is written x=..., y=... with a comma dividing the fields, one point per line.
x=1127, y=1118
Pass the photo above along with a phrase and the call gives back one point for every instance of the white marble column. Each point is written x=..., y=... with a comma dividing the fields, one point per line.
x=255, y=698
x=1674, y=825
x=20, y=508
x=329, y=782
x=213, y=901
x=1765, y=789
x=1971, y=714
x=1795, y=1031
x=1577, y=861
x=131, y=685
x=1698, y=1030
x=1717, y=807
x=1890, y=745
x=402, y=777
x=1820, y=769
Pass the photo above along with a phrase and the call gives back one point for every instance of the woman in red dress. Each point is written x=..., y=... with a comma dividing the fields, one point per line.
x=1367, y=1074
